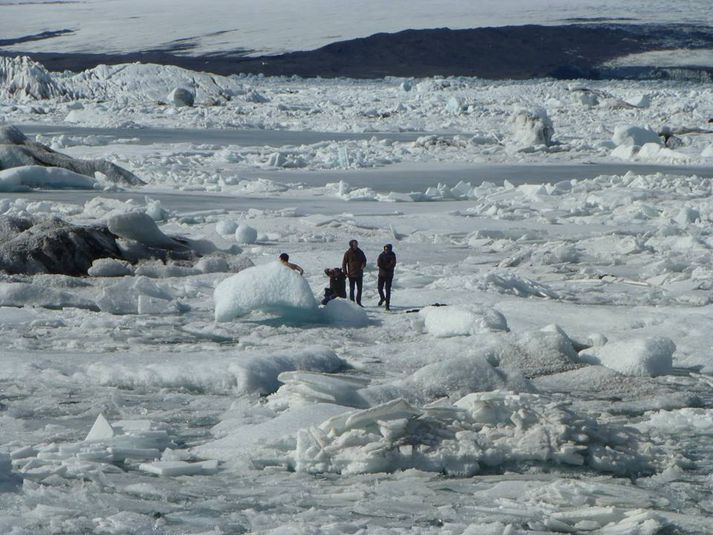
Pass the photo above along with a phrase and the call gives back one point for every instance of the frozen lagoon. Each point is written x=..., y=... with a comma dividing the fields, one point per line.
x=485, y=418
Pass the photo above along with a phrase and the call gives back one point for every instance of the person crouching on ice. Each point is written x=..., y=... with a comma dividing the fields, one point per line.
x=353, y=265
x=285, y=259
x=386, y=263
x=337, y=285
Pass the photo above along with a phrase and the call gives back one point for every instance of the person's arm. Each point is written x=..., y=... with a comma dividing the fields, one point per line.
x=297, y=268
x=391, y=263
x=363, y=260
x=345, y=264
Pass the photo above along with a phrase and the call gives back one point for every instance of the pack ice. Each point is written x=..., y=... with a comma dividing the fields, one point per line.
x=565, y=387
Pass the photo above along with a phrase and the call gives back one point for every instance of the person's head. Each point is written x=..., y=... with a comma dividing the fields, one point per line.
x=353, y=244
x=284, y=257
x=387, y=248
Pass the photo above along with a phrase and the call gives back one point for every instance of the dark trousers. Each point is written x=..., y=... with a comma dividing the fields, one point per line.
x=384, y=283
x=328, y=295
x=355, y=281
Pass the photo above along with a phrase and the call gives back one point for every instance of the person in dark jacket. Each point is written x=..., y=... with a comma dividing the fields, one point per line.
x=337, y=285
x=353, y=265
x=386, y=263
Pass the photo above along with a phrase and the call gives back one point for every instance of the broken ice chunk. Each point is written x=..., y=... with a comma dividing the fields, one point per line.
x=179, y=468
x=101, y=430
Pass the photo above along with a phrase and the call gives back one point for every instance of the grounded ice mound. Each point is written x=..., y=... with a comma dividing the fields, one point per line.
x=137, y=295
x=646, y=357
x=642, y=143
x=462, y=320
x=226, y=227
x=534, y=353
x=16, y=151
x=29, y=246
x=150, y=83
x=245, y=234
x=453, y=378
x=140, y=227
x=27, y=177
x=634, y=136
x=110, y=267
x=181, y=96
x=482, y=432
x=531, y=128
x=23, y=79
x=272, y=288
x=53, y=246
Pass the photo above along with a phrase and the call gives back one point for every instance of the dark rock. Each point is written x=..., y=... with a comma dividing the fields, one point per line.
x=54, y=246
x=29, y=247
x=509, y=52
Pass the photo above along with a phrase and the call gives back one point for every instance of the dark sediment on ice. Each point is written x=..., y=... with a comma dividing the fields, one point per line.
x=509, y=52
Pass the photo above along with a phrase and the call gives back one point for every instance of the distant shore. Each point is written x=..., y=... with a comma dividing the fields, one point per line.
x=509, y=52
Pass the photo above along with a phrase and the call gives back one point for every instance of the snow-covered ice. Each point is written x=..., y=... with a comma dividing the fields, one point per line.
x=28, y=177
x=564, y=386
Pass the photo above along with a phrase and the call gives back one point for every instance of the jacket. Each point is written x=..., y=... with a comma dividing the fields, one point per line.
x=353, y=263
x=386, y=263
x=338, y=284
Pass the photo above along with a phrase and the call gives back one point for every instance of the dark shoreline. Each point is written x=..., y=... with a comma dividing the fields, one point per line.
x=509, y=52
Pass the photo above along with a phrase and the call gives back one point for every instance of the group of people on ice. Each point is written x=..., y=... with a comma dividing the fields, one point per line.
x=353, y=265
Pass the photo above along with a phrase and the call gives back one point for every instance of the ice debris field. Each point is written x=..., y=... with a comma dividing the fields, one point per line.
x=545, y=368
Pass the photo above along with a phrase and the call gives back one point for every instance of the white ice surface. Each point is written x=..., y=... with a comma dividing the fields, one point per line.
x=386, y=403
x=30, y=177
x=648, y=357
x=461, y=320
x=282, y=25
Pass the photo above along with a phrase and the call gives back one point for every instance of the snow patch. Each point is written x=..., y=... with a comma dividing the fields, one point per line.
x=647, y=357
x=345, y=313
x=461, y=320
x=27, y=177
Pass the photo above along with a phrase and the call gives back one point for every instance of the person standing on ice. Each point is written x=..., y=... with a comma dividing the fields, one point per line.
x=353, y=265
x=386, y=263
x=285, y=259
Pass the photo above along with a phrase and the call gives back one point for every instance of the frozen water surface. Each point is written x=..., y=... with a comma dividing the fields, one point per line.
x=565, y=387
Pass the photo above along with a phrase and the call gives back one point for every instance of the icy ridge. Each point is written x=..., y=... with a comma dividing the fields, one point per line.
x=24, y=79
x=479, y=433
